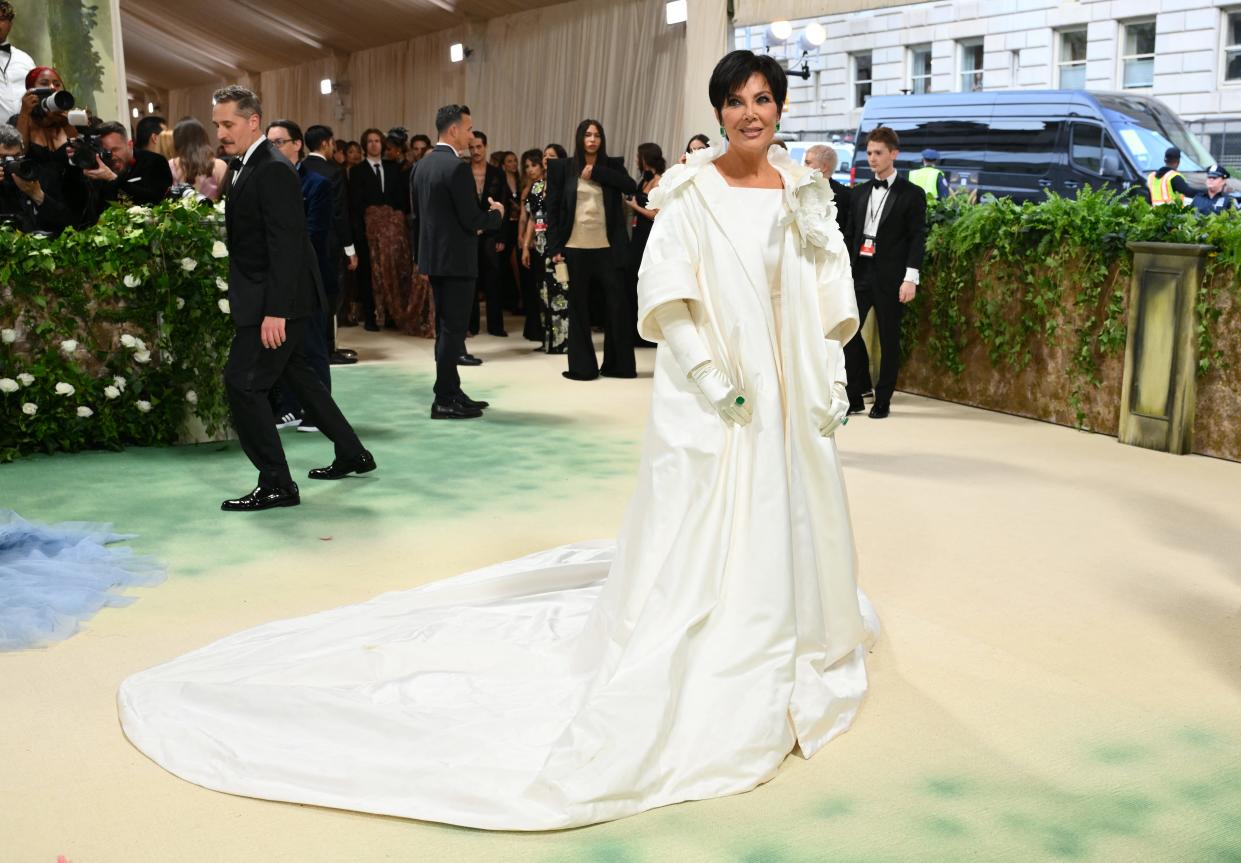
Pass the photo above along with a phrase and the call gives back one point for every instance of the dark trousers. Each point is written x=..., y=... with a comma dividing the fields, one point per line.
x=363, y=292
x=452, y=314
x=248, y=377
x=592, y=272
x=489, y=285
x=315, y=347
x=888, y=309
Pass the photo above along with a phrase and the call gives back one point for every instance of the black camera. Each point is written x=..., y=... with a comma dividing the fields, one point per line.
x=51, y=102
x=87, y=150
x=18, y=166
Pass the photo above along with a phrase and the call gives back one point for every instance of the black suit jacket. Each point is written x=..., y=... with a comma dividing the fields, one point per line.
x=272, y=267
x=445, y=205
x=364, y=191
x=901, y=239
x=341, y=233
x=145, y=182
x=562, y=177
x=495, y=187
x=843, y=205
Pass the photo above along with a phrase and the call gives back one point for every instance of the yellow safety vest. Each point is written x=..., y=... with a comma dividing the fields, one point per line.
x=1161, y=189
x=927, y=178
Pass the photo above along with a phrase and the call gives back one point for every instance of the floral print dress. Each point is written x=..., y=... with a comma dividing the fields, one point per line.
x=553, y=294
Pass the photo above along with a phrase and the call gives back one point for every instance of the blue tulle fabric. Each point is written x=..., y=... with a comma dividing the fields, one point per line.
x=52, y=577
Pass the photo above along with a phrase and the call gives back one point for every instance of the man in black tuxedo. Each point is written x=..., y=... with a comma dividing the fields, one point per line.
x=320, y=148
x=489, y=185
x=274, y=291
x=373, y=182
x=886, y=239
x=449, y=221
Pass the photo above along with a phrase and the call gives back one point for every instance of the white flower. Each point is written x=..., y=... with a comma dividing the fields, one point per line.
x=224, y=307
x=111, y=392
x=140, y=345
x=84, y=411
x=143, y=406
x=191, y=397
x=813, y=212
x=69, y=346
x=139, y=211
x=64, y=389
x=219, y=206
x=219, y=250
x=127, y=340
x=142, y=356
x=120, y=382
x=189, y=264
x=8, y=336
x=132, y=281
x=29, y=409
x=26, y=378
x=8, y=385
x=180, y=302
x=221, y=284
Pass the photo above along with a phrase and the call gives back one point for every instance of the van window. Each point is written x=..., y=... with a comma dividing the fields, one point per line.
x=1022, y=146
x=1090, y=145
x=961, y=143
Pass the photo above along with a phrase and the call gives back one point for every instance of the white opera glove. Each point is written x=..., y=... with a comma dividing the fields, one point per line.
x=729, y=402
x=838, y=413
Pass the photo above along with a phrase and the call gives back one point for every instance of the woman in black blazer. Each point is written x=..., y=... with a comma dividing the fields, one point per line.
x=586, y=230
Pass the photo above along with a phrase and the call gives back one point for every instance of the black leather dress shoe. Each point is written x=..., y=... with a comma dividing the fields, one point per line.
x=503, y=334
x=471, y=403
x=454, y=410
x=263, y=498
x=878, y=411
x=339, y=358
x=371, y=327
x=571, y=376
x=857, y=407
x=468, y=360
x=363, y=462
x=348, y=352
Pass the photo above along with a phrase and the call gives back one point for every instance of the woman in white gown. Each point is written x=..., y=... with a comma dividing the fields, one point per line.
x=722, y=631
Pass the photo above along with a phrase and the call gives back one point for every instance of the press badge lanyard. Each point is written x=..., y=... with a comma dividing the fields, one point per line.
x=872, y=213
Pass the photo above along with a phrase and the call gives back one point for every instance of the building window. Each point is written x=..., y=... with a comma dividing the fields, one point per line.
x=862, y=78
x=920, y=69
x=1138, y=61
x=1232, y=47
x=1072, y=62
x=971, y=66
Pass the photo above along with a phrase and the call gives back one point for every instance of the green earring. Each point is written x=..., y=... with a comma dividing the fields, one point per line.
x=723, y=134
x=777, y=127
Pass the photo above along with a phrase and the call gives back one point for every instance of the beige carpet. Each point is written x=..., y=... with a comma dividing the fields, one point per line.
x=1059, y=676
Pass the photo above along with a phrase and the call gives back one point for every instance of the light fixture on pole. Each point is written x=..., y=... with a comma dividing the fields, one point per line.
x=458, y=52
x=812, y=37
x=778, y=32
x=325, y=87
x=676, y=11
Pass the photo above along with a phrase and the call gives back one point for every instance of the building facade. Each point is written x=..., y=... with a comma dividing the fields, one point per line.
x=1185, y=52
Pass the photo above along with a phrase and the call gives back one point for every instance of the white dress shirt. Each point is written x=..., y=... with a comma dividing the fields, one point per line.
x=246, y=158
x=15, y=64
x=377, y=168
x=874, y=209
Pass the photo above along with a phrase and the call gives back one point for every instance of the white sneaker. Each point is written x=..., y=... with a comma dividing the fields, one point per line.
x=306, y=428
x=287, y=420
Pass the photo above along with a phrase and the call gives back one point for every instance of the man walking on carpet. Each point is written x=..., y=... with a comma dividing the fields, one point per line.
x=442, y=195
x=274, y=294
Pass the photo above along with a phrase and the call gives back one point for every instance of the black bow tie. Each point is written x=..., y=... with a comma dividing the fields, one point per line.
x=881, y=184
x=5, y=46
x=237, y=164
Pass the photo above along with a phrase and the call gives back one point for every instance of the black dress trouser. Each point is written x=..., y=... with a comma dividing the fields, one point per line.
x=593, y=272
x=490, y=286
x=889, y=310
x=249, y=375
x=453, y=300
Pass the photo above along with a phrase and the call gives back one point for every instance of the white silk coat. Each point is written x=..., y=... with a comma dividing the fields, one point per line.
x=593, y=681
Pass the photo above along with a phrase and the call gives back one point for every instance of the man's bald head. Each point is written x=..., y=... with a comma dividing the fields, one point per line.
x=823, y=158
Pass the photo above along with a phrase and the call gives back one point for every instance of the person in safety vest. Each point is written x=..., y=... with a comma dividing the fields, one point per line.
x=1167, y=185
x=930, y=178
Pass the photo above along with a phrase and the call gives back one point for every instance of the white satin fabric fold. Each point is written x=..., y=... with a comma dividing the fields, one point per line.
x=722, y=631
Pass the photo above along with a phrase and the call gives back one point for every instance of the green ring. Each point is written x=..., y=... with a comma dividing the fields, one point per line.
x=845, y=421
x=740, y=400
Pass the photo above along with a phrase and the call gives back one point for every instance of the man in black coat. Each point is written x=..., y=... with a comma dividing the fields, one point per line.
x=373, y=182
x=139, y=176
x=320, y=146
x=445, y=206
x=489, y=185
x=886, y=240
x=274, y=290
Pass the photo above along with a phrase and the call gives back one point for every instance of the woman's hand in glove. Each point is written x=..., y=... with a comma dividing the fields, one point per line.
x=838, y=413
x=729, y=402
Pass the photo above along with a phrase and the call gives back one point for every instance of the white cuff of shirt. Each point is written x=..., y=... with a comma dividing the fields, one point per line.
x=911, y=275
x=350, y=251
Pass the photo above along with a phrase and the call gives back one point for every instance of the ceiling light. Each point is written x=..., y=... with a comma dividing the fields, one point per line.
x=150, y=107
x=325, y=86
x=137, y=113
x=456, y=52
x=677, y=11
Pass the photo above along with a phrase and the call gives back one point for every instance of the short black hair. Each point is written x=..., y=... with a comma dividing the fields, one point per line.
x=294, y=130
x=6, y=10
x=736, y=68
x=561, y=152
x=147, y=127
x=420, y=137
x=531, y=157
x=112, y=129
x=316, y=135
x=449, y=115
x=701, y=138
x=482, y=136
x=397, y=136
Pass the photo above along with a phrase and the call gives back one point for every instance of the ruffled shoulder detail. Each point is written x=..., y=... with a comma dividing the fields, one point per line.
x=678, y=176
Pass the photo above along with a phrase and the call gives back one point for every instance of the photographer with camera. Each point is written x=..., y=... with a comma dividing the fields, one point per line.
x=23, y=202
x=139, y=176
x=46, y=124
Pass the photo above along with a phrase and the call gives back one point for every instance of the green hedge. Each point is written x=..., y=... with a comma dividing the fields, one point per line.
x=115, y=335
x=1010, y=275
